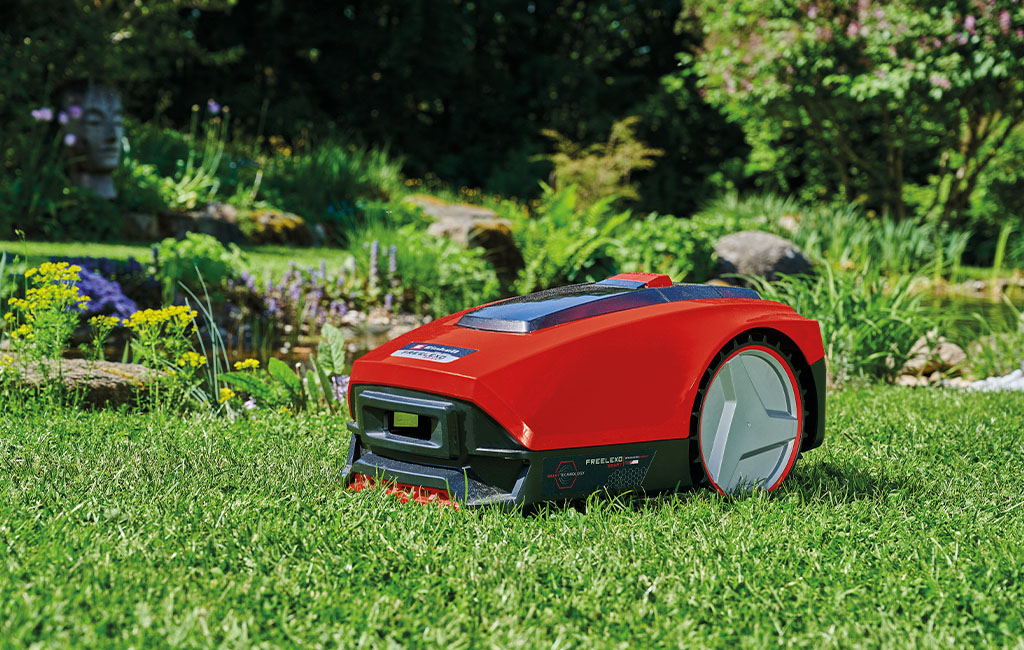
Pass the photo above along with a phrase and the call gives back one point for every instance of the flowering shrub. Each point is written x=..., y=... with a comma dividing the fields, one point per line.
x=163, y=334
x=45, y=318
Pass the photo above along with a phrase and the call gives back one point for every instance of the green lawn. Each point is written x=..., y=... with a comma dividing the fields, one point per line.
x=261, y=260
x=903, y=530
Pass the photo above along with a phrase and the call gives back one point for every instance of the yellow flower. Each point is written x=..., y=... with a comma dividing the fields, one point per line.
x=246, y=364
x=286, y=410
x=23, y=332
x=226, y=394
x=104, y=322
x=6, y=361
x=192, y=360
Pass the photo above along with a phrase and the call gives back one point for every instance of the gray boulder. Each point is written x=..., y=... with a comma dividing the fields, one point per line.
x=759, y=254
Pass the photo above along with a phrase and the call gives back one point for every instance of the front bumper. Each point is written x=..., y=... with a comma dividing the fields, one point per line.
x=465, y=452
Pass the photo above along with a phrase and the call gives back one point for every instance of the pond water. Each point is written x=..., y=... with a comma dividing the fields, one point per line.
x=971, y=316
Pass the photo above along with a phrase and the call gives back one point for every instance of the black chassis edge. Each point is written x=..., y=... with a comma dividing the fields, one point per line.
x=814, y=427
x=463, y=450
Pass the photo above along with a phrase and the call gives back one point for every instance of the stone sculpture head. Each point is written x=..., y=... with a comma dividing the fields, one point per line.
x=94, y=119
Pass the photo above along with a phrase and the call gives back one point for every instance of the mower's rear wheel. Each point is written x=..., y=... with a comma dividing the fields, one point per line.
x=749, y=417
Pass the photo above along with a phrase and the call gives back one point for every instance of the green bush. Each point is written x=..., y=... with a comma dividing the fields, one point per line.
x=565, y=244
x=197, y=261
x=602, y=169
x=868, y=321
x=679, y=248
x=430, y=274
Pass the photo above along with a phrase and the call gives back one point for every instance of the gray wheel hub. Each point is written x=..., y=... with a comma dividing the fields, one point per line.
x=749, y=422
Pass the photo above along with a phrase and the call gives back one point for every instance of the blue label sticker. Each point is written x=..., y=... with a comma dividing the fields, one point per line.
x=432, y=352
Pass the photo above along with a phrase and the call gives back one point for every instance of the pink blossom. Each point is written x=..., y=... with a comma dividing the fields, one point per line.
x=879, y=13
x=1020, y=33
x=969, y=23
x=823, y=34
x=853, y=30
x=961, y=39
x=1004, y=21
x=941, y=82
x=892, y=51
x=812, y=12
x=70, y=139
x=43, y=114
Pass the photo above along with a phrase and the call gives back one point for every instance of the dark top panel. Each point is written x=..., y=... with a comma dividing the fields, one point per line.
x=575, y=302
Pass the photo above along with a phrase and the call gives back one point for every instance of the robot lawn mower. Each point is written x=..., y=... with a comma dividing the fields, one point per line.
x=629, y=384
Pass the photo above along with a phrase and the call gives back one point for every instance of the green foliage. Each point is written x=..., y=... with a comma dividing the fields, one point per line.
x=683, y=249
x=604, y=169
x=869, y=322
x=193, y=261
x=841, y=235
x=880, y=93
x=329, y=177
x=432, y=274
x=330, y=353
x=564, y=244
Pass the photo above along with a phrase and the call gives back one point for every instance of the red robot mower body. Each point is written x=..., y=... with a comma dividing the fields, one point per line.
x=632, y=383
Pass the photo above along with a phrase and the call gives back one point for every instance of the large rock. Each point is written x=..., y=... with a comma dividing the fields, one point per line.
x=759, y=254
x=930, y=354
x=471, y=226
x=101, y=383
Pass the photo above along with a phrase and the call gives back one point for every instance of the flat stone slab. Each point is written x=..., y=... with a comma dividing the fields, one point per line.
x=101, y=383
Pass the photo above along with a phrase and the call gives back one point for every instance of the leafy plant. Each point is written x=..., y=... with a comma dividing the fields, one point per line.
x=680, y=248
x=603, y=169
x=431, y=274
x=869, y=321
x=197, y=256
x=566, y=243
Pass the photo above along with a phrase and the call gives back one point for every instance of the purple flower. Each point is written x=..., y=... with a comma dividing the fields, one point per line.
x=339, y=385
x=273, y=309
x=75, y=111
x=1004, y=21
x=337, y=308
x=969, y=23
x=70, y=139
x=249, y=404
x=106, y=296
x=62, y=117
x=389, y=302
x=374, y=261
x=392, y=260
x=295, y=292
x=212, y=106
x=43, y=114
